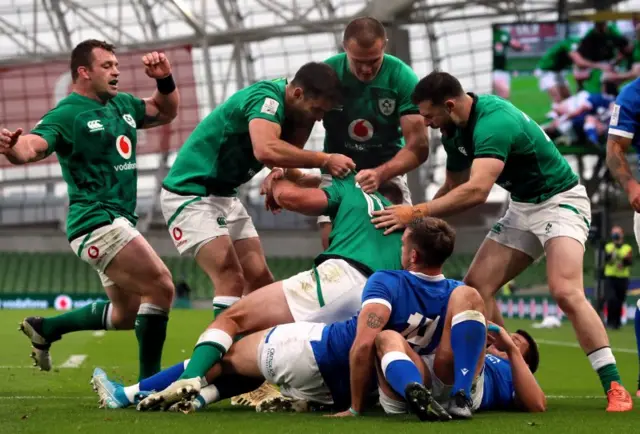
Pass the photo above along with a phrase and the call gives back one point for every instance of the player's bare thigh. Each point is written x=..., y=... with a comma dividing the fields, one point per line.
x=254, y=265
x=263, y=308
x=493, y=266
x=138, y=269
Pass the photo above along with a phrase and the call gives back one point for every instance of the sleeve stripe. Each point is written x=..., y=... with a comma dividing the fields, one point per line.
x=621, y=133
x=377, y=301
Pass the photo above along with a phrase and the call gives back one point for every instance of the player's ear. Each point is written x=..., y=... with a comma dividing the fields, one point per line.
x=449, y=104
x=83, y=72
x=298, y=93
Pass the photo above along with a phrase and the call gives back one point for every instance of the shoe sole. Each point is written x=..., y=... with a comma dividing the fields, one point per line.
x=28, y=331
x=159, y=401
x=425, y=407
x=103, y=395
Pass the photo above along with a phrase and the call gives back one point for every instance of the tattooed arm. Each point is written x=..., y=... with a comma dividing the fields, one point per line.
x=371, y=320
x=617, y=148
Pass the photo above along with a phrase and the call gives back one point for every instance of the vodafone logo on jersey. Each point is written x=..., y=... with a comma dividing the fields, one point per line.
x=123, y=145
x=360, y=130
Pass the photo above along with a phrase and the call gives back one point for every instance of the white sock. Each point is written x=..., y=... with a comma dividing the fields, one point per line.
x=600, y=358
x=131, y=391
x=224, y=301
x=208, y=395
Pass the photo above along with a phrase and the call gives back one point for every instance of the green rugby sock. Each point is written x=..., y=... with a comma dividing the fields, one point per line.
x=151, y=331
x=210, y=348
x=91, y=317
x=607, y=375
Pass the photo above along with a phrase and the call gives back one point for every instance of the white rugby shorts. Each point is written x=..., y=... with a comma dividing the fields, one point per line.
x=100, y=246
x=193, y=221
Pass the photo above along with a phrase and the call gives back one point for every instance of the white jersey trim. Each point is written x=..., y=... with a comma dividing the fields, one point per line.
x=621, y=133
x=377, y=301
x=437, y=278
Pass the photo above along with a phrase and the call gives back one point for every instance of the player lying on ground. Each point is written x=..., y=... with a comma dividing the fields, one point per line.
x=623, y=127
x=329, y=292
x=549, y=211
x=93, y=132
x=377, y=125
x=318, y=362
x=257, y=126
x=503, y=378
x=583, y=116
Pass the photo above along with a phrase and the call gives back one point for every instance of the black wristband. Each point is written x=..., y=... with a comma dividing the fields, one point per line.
x=166, y=85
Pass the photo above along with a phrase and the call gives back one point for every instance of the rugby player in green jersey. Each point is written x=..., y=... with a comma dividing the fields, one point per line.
x=330, y=291
x=376, y=125
x=93, y=133
x=502, y=41
x=633, y=62
x=227, y=149
x=489, y=141
x=557, y=59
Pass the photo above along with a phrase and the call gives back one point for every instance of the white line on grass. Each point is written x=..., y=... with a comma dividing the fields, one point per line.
x=26, y=397
x=99, y=333
x=74, y=361
x=576, y=345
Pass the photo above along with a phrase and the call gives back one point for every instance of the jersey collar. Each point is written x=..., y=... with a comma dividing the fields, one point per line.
x=467, y=131
x=426, y=277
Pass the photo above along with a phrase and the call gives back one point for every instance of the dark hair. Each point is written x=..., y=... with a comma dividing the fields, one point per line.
x=437, y=87
x=532, y=356
x=365, y=30
x=82, y=54
x=433, y=239
x=392, y=192
x=319, y=80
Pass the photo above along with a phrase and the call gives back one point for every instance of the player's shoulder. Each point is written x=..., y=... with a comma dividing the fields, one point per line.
x=630, y=92
x=492, y=109
x=397, y=67
x=273, y=88
x=386, y=276
x=336, y=61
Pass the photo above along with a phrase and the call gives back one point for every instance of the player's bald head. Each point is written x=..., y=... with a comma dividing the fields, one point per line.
x=364, y=31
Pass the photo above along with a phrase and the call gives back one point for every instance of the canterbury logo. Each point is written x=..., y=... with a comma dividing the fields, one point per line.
x=95, y=126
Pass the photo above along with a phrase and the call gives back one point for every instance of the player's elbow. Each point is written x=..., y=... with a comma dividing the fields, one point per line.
x=539, y=405
x=264, y=153
x=479, y=194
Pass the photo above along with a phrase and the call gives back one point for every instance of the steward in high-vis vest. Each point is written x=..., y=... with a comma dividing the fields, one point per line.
x=618, y=258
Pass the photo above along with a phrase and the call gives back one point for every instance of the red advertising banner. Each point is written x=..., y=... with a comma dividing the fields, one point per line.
x=28, y=92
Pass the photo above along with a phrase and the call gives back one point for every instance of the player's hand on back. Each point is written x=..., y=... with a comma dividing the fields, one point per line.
x=339, y=165
x=156, y=65
x=393, y=218
x=369, y=180
x=8, y=139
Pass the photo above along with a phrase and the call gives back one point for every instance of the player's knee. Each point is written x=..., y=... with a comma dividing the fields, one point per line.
x=259, y=279
x=568, y=298
x=160, y=288
x=467, y=297
x=388, y=340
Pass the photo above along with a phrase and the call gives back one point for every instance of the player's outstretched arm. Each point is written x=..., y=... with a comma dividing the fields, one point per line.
x=413, y=154
x=272, y=151
x=162, y=107
x=484, y=173
x=307, y=201
x=452, y=180
x=21, y=149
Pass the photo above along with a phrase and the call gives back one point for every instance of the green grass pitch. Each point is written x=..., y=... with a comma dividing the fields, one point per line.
x=61, y=401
